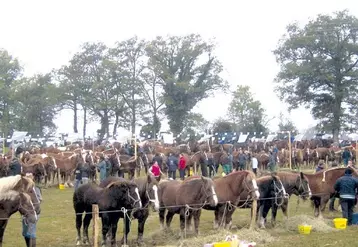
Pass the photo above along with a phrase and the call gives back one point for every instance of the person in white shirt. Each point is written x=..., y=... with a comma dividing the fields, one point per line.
x=254, y=164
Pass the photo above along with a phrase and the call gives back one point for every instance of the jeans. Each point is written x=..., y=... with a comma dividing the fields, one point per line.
x=212, y=170
x=204, y=170
x=28, y=229
x=172, y=174
x=347, y=206
x=182, y=173
x=241, y=166
x=254, y=170
x=77, y=183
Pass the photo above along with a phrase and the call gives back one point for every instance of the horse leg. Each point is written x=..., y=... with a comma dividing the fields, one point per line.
x=105, y=228
x=196, y=215
x=228, y=219
x=86, y=223
x=114, y=224
x=274, y=213
x=182, y=222
x=284, y=208
x=78, y=227
x=169, y=218
x=316, y=204
x=216, y=219
x=141, y=222
x=189, y=226
x=161, y=218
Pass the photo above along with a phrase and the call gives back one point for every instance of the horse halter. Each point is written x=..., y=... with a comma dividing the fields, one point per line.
x=305, y=192
x=279, y=191
x=135, y=201
x=212, y=194
x=27, y=211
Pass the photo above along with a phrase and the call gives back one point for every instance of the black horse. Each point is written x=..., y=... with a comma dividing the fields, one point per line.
x=294, y=183
x=110, y=200
x=148, y=192
x=12, y=202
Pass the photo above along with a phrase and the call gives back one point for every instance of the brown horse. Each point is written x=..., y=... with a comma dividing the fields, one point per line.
x=185, y=198
x=11, y=202
x=66, y=167
x=130, y=165
x=229, y=190
x=321, y=184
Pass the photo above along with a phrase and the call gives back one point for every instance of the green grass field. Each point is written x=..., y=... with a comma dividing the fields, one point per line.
x=57, y=227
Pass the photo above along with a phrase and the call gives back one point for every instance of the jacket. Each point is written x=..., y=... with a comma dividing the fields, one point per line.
x=229, y=159
x=102, y=166
x=346, y=186
x=78, y=173
x=155, y=170
x=172, y=163
x=242, y=158
x=182, y=163
x=15, y=167
x=346, y=155
x=85, y=171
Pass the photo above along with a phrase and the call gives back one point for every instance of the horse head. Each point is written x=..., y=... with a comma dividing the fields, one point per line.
x=302, y=187
x=127, y=191
x=208, y=193
x=251, y=184
x=26, y=208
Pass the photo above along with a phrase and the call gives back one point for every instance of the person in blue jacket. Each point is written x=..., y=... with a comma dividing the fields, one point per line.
x=346, y=187
x=102, y=166
x=15, y=166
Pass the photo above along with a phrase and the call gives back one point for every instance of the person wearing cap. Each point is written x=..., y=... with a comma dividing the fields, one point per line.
x=15, y=166
x=346, y=186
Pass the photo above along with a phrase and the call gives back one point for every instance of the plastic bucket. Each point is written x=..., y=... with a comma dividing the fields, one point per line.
x=340, y=223
x=222, y=244
x=304, y=229
x=61, y=186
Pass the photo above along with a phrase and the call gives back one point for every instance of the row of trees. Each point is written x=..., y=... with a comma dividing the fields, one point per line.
x=137, y=80
x=133, y=81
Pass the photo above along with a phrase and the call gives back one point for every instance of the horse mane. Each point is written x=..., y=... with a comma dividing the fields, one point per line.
x=9, y=195
x=9, y=183
x=267, y=178
x=121, y=182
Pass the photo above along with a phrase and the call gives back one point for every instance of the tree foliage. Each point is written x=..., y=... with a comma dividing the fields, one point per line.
x=285, y=124
x=247, y=114
x=188, y=71
x=319, y=68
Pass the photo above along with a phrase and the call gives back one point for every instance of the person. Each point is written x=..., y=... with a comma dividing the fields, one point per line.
x=227, y=167
x=346, y=156
x=172, y=166
x=272, y=162
x=254, y=164
x=320, y=166
x=78, y=175
x=158, y=158
x=346, y=187
x=242, y=161
x=155, y=171
x=204, y=166
x=213, y=169
x=29, y=229
x=15, y=166
x=182, y=166
x=85, y=173
x=102, y=166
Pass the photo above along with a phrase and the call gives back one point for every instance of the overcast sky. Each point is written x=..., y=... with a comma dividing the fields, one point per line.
x=45, y=34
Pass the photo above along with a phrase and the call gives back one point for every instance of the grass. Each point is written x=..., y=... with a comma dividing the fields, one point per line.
x=56, y=227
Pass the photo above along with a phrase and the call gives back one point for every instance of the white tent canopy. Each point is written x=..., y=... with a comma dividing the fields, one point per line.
x=242, y=138
x=18, y=135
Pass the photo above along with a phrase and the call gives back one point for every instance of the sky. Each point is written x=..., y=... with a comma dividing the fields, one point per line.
x=44, y=35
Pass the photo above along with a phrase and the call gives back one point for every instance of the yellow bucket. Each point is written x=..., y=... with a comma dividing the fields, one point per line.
x=340, y=223
x=222, y=244
x=61, y=186
x=304, y=229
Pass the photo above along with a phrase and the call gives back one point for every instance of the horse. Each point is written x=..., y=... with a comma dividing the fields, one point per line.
x=321, y=184
x=185, y=198
x=114, y=197
x=294, y=183
x=148, y=192
x=18, y=183
x=130, y=164
x=12, y=201
x=66, y=166
x=229, y=190
x=114, y=159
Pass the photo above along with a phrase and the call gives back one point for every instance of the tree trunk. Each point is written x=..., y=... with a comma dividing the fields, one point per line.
x=133, y=122
x=75, y=129
x=84, y=122
x=115, y=126
x=155, y=124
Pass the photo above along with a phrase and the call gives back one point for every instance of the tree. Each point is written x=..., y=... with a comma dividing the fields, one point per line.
x=194, y=125
x=188, y=72
x=222, y=126
x=36, y=102
x=285, y=124
x=319, y=68
x=247, y=113
x=10, y=71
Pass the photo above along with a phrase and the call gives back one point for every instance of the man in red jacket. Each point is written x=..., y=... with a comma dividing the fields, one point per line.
x=182, y=166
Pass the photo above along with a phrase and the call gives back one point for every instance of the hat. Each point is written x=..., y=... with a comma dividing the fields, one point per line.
x=348, y=171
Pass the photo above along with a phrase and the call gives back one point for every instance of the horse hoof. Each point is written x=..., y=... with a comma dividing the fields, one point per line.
x=78, y=243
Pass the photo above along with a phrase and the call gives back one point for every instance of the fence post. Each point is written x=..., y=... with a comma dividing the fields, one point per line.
x=95, y=217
